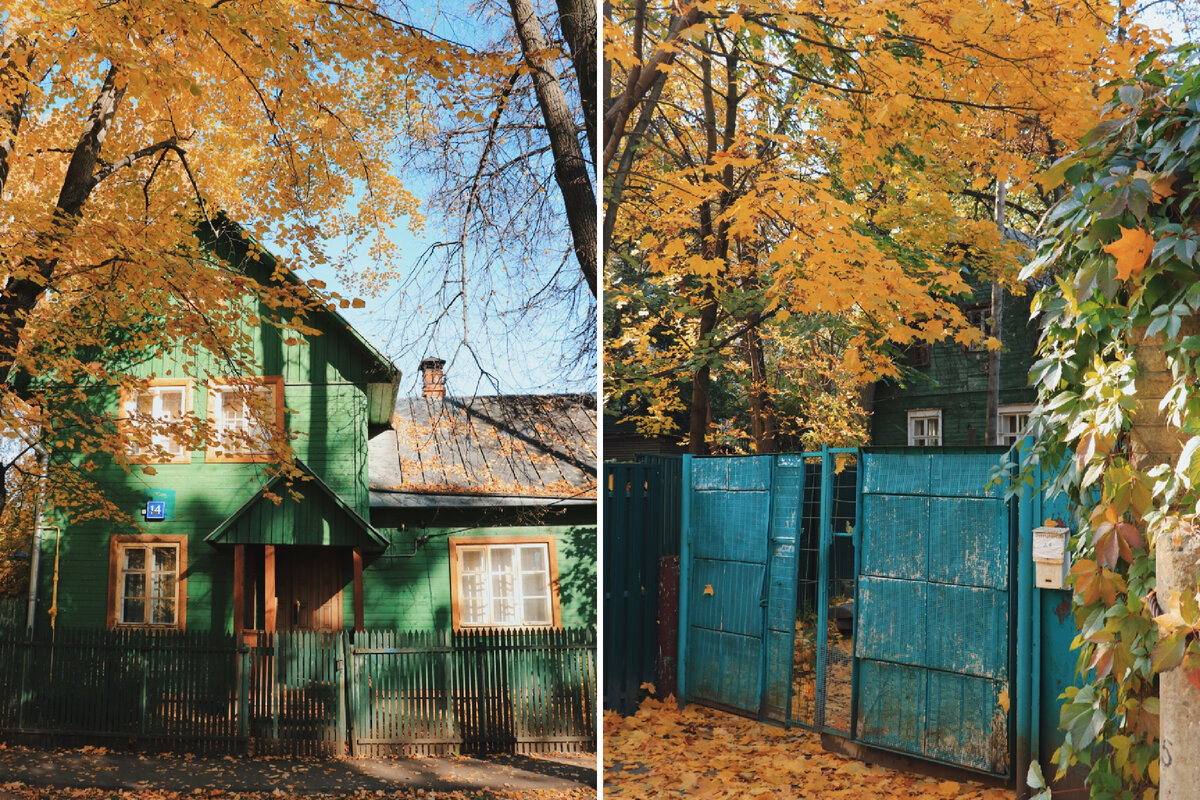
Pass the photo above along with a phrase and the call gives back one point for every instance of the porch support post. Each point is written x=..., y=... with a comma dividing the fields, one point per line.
x=358, y=589
x=239, y=591
x=270, y=601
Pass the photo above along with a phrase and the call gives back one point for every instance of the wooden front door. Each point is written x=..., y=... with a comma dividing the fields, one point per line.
x=308, y=585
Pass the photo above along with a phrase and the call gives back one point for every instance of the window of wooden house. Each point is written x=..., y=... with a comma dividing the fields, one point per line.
x=977, y=317
x=1013, y=422
x=146, y=586
x=149, y=410
x=925, y=427
x=504, y=583
x=919, y=355
x=245, y=417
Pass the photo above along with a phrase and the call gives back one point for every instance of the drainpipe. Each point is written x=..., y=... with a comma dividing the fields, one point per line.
x=35, y=557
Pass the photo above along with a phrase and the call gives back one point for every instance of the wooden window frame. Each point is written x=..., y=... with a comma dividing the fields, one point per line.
x=920, y=355
x=982, y=325
x=116, y=545
x=489, y=541
x=924, y=413
x=1013, y=410
x=126, y=426
x=216, y=387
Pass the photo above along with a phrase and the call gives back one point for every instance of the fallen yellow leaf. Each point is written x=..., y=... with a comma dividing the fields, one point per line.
x=708, y=588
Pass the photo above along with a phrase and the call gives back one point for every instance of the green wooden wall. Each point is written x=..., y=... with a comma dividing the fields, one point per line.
x=412, y=592
x=325, y=394
x=956, y=382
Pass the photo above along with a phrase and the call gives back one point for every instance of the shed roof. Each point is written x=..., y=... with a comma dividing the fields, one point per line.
x=486, y=451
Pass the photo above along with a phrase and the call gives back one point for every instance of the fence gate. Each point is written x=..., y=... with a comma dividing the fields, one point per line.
x=727, y=510
x=932, y=644
x=766, y=550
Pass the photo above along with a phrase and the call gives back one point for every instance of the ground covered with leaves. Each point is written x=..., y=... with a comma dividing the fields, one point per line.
x=663, y=752
x=16, y=790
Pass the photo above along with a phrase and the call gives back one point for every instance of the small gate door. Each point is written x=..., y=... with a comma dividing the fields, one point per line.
x=933, y=610
x=727, y=511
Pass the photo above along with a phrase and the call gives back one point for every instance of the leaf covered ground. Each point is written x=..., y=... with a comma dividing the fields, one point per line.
x=663, y=752
x=16, y=790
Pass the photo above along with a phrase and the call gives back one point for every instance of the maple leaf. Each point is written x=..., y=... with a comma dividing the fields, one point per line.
x=1132, y=251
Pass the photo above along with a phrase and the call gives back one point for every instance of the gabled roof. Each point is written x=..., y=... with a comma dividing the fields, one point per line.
x=240, y=249
x=486, y=451
x=320, y=517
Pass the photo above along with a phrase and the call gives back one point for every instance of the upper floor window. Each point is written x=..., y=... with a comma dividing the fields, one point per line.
x=148, y=415
x=504, y=583
x=925, y=427
x=978, y=317
x=246, y=414
x=146, y=583
x=1013, y=422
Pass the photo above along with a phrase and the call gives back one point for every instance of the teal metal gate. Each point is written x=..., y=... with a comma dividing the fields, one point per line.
x=752, y=526
x=773, y=546
x=932, y=648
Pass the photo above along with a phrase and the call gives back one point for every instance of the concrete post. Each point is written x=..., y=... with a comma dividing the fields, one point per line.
x=1177, y=565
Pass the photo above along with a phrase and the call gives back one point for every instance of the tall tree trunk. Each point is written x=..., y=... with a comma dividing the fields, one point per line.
x=997, y=315
x=762, y=405
x=20, y=294
x=578, y=21
x=716, y=246
x=570, y=165
x=15, y=63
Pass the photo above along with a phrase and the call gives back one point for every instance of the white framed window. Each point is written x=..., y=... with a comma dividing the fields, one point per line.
x=163, y=403
x=245, y=417
x=1014, y=420
x=925, y=427
x=504, y=583
x=146, y=583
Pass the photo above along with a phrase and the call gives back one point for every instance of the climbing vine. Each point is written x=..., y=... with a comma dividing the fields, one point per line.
x=1119, y=263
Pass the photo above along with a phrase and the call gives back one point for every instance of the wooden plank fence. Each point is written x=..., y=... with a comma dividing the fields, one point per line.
x=303, y=693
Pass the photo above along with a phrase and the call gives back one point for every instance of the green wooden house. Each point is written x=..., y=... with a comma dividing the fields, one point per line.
x=490, y=507
x=223, y=546
x=942, y=397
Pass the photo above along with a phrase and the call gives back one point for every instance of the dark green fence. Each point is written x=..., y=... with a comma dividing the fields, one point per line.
x=632, y=515
x=304, y=693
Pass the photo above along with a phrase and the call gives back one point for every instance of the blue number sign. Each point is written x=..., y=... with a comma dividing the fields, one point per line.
x=156, y=510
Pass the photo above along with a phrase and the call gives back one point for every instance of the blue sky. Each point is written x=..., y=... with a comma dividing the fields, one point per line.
x=488, y=352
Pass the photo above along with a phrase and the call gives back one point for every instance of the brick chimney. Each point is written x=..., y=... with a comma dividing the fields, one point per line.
x=431, y=371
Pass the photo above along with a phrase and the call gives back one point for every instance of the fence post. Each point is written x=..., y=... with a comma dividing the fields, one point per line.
x=685, y=576
x=341, y=693
x=145, y=701
x=242, y=654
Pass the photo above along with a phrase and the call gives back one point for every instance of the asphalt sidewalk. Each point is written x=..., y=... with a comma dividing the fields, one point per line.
x=92, y=767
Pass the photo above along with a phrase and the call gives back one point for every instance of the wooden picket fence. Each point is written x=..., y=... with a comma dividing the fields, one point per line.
x=304, y=693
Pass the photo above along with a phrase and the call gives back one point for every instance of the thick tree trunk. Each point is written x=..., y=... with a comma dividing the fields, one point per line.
x=15, y=63
x=570, y=165
x=21, y=294
x=1177, y=565
x=578, y=21
x=762, y=406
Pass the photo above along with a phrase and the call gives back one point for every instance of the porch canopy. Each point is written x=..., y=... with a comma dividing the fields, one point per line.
x=321, y=518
